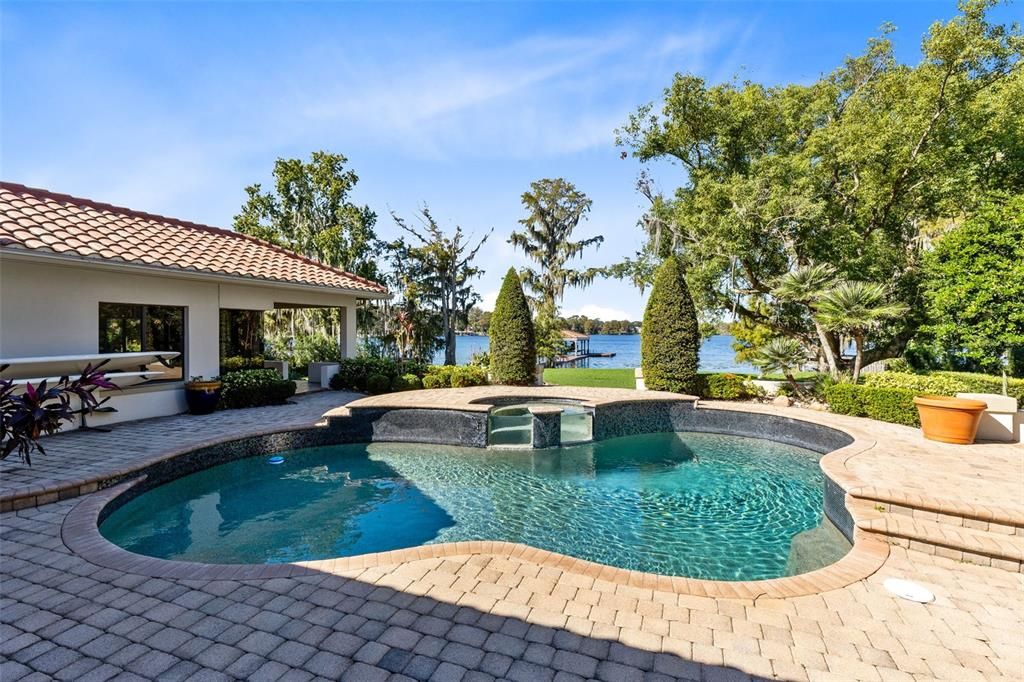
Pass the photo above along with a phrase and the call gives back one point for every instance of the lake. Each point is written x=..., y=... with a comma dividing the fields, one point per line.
x=716, y=353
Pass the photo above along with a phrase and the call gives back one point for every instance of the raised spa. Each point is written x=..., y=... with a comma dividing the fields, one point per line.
x=521, y=424
x=689, y=504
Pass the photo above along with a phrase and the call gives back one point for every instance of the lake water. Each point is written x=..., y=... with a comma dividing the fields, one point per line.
x=716, y=353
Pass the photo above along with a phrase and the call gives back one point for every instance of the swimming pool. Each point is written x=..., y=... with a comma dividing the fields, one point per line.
x=690, y=504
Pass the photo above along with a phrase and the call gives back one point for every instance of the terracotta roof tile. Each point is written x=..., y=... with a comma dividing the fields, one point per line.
x=36, y=219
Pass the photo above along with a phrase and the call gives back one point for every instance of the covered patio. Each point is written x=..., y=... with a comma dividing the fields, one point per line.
x=83, y=279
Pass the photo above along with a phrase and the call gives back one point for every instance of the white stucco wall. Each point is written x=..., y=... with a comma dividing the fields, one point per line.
x=52, y=308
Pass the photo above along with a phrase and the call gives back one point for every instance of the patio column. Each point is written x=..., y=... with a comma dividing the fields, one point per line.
x=348, y=343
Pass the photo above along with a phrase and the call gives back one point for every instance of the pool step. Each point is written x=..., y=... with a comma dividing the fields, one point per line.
x=985, y=547
x=956, y=513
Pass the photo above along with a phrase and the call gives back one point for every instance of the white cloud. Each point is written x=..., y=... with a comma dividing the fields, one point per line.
x=538, y=97
x=599, y=312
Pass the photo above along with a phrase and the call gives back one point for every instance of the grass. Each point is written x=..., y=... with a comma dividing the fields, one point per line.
x=624, y=378
x=599, y=378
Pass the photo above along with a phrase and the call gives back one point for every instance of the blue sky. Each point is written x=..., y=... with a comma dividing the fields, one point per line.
x=175, y=108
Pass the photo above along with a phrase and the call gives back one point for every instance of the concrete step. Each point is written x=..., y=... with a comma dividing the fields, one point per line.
x=956, y=513
x=987, y=548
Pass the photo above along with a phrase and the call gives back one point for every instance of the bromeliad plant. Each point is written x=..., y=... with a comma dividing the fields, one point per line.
x=43, y=409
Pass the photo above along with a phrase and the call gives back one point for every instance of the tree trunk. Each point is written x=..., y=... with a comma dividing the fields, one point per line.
x=788, y=373
x=826, y=348
x=449, y=345
x=448, y=331
x=858, y=361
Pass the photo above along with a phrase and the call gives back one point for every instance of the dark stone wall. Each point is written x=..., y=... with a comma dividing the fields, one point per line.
x=413, y=425
x=835, y=508
x=547, y=429
x=648, y=416
x=802, y=434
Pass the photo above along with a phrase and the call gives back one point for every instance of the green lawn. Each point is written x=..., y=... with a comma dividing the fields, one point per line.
x=622, y=378
x=601, y=378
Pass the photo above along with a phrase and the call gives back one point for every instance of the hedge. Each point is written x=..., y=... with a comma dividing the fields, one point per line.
x=725, y=386
x=670, y=337
x=237, y=362
x=407, y=382
x=454, y=376
x=919, y=384
x=945, y=383
x=895, y=405
x=378, y=383
x=354, y=373
x=986, y=383
x=254, y=387
x=513, y=345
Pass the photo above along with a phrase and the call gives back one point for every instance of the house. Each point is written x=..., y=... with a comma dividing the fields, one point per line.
x=83, y=278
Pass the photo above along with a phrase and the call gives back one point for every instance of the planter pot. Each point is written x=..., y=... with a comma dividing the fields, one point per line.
x=202, y=396
x=949, y=420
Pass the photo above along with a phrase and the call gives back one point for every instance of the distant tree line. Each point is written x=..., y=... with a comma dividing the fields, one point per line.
x=479, y=320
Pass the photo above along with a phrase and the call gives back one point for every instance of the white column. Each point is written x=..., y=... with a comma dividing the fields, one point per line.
x=349, y=346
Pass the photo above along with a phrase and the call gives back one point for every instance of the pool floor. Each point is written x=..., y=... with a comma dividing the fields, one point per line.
x=697, y=505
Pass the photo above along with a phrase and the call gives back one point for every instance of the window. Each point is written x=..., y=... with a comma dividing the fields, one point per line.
x=130, y=328
x=241, y=333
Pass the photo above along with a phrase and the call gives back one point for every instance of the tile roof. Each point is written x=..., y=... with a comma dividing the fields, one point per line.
x=38, y=220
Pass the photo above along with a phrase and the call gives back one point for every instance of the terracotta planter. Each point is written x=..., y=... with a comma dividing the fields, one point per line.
x=949, y=420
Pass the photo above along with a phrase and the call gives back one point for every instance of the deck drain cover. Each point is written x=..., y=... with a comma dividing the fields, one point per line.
x=906, y=589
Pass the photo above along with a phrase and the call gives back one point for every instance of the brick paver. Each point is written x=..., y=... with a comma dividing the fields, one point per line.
x=79, y=456
x=396, y=621
x=482, y=617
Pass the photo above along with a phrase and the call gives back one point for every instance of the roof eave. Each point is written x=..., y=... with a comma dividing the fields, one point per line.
x=36, y=255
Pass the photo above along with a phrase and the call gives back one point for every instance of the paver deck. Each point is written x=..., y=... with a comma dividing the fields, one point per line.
x=482, y=616
x=79, y=458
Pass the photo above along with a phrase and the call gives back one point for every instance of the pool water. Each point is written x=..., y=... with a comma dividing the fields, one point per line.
x=689, y=504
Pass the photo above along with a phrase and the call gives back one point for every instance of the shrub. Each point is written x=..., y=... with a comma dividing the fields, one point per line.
x=985, y=383
x=435, y=381
x=406, y=382
x=454, y=376
x=670, y=338
x=921, y=384
x=315, y=348
x=899, y=365
x=354, y=373
x=894, y=405
x=237, y=362
x=468, y=375
x=255, y=387
x=32, y=411
x=513, y=346
x=725, y=386
x=378, y=383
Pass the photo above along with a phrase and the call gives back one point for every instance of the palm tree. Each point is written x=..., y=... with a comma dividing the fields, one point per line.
x=804, y=285
x=856, y=308
x=782, y=355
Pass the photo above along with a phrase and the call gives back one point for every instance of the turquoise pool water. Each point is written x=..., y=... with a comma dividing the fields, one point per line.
x=698, y=505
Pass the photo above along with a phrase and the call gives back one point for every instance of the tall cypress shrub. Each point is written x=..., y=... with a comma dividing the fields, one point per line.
x=670, y=338
x=513, y=347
